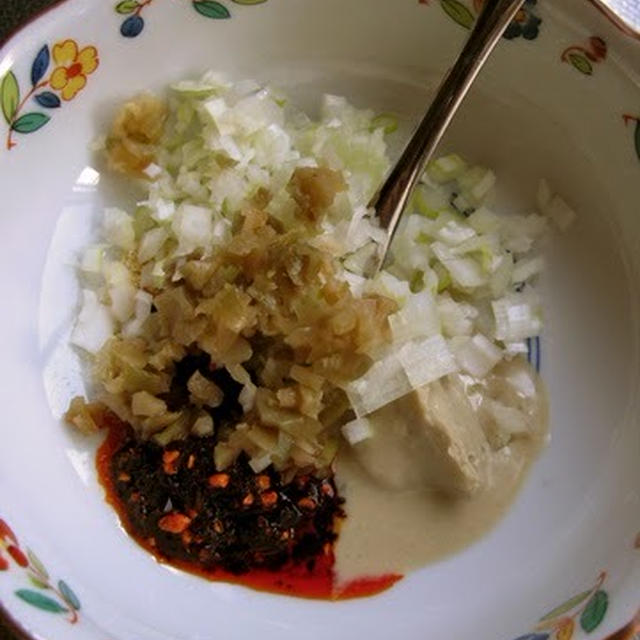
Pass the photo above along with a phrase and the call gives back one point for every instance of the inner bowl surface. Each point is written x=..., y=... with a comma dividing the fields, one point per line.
x=536, y=112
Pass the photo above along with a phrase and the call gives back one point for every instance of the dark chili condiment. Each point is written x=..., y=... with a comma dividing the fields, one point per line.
x=236, y=525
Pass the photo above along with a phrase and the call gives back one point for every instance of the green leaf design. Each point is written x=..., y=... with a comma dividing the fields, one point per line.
x=69, y=595
x=581, y=63
x=40, y=601
x=595, y=611
x=36, y=564
x=30, y=122
x=566, y=606
x=211, y=9
x=458, y=12
x=37, y=582
x=10, y=96
x=127, y=6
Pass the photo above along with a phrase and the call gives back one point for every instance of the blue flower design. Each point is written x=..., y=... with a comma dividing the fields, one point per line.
x=526, y=23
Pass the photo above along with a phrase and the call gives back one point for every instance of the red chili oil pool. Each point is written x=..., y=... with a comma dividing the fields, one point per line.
x=235, y=526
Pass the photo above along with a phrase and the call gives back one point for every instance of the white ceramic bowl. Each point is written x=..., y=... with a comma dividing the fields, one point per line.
x=560, y=99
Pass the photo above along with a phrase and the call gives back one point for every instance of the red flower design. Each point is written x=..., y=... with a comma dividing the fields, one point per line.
x=18, y=556
x=7, y=532
x=9, y=542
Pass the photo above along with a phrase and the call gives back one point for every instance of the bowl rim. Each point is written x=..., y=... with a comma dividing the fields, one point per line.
x=630, y=34
x=13, y=625
x=34, y=17
x=632, y=31
x=617, y=20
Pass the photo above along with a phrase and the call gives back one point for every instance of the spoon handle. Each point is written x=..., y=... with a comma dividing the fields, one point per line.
x=392, y=198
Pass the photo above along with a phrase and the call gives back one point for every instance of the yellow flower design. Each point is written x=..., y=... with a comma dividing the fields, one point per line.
x=73, y=67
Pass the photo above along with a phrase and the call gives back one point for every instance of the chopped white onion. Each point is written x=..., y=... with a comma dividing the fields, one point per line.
x=115, y=273
x=142, y=310
x=457, y=317
x=117, y=227
x=484, y=220
x=417, y=319
x=476, y=355
x=502, y=277
x=94, y=325
x=385, y=382
x=517, y=317
x=386, y=284
x=476, y=183
x=482, y=188
x=92, y=259
x=162, y=209
x=455, y=233
x=523, y=270
x=429, y=201
x=446, y=168
x=122, y=301
x=358, y=261
x=427, y=361
x=462, y=203
x=465, y=272
x=151, y=244
x=193, y=227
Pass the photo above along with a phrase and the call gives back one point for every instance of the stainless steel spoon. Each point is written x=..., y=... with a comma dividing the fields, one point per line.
x=392, y=198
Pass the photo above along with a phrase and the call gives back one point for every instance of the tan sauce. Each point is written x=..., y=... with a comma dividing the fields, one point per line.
x=393, y=531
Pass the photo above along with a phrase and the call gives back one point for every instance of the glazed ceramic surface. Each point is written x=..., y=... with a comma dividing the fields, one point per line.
x=560, y=99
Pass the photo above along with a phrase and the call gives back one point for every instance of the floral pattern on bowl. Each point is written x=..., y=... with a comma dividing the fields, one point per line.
x=72, y=66
x=133, y=25
x=587, y=609
x=583, y=56
x=63, y=600
x=526, y=23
